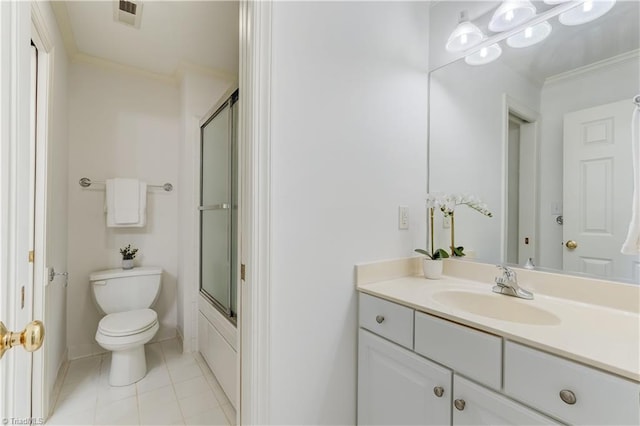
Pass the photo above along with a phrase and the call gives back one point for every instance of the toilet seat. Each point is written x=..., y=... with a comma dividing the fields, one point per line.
x=127, y=323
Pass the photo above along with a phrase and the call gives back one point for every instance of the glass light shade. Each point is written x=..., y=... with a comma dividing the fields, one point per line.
x=555, y=1
x=484, y=55
x=586, y=12
x=465, y=36
x=530, y=35
x=510, y=14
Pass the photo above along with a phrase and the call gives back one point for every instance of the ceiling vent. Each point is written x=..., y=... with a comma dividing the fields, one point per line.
x=128, y=12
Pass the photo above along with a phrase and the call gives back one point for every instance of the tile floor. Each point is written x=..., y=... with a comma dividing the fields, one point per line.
x=179, y=389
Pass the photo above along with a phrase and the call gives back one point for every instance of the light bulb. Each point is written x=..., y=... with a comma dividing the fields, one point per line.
x=464, y=39
x=587, y=6
x=483, y=52
x=508, y=16
x=528, y=32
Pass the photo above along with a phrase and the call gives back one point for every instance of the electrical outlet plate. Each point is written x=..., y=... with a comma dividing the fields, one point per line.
x=403, y=217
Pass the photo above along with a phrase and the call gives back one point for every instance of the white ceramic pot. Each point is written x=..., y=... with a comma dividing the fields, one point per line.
x=432, y=268
x=127, y=263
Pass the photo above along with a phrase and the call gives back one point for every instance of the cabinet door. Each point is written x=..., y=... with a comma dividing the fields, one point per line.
x=476, y=405
x=398, y=387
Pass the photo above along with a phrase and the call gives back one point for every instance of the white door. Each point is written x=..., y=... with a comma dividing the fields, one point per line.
x=16, y=196
x=598, y=188
x=476, y=405
x=398, y=387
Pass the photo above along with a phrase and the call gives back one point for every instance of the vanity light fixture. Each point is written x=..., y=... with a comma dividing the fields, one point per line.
x=465, y=36
x=485, y=55
x=587, y=12
x=530, y=35
x=510, y=14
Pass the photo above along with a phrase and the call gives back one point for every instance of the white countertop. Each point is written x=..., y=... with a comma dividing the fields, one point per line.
x=596, y=335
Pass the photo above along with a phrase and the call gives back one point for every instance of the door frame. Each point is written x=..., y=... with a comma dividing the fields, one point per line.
x=512, y=106
x=254, y=143
x=41, y=37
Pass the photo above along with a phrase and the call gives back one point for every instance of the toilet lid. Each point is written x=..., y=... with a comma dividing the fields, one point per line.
x=127, y=323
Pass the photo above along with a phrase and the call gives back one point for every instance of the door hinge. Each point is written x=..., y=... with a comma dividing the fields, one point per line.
x=22, y=298
x=31, y=256
x=242, y=270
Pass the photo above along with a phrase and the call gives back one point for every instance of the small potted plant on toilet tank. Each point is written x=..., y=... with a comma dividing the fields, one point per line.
x=128, y=254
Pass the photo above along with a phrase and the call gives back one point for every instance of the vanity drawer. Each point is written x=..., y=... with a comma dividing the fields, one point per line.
x=387, y=319
x=472, y=353
x=600, y=398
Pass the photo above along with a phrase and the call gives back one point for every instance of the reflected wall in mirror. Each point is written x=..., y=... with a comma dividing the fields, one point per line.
x=543, y=136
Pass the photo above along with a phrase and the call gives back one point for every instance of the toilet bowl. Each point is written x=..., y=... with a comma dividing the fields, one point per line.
x=126, y=296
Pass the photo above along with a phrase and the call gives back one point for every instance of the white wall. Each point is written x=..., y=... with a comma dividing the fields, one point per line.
x=120, y=125
x=198, y=94
x=348, y=132
x=615, y=82
x=57, y=190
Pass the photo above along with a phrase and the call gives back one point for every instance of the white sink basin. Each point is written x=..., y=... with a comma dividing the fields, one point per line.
x=496, y=306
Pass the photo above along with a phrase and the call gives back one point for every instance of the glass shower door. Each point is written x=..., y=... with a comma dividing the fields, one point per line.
x=216, y=255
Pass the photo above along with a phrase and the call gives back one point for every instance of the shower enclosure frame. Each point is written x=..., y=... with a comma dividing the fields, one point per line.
x=228, y=308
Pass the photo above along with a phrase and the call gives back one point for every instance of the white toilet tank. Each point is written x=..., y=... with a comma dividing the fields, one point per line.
x=119, y=290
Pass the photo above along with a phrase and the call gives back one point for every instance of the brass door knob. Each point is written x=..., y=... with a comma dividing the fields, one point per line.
x=30, y=338
x=571, y=245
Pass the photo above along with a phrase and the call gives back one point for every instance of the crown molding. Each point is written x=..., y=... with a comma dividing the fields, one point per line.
x=64, y=25
x=612, y=61
x=127, y=69
x=219, y=74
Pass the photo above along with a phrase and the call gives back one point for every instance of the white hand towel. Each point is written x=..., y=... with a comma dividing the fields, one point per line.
x=126, y=202
x=631, y=245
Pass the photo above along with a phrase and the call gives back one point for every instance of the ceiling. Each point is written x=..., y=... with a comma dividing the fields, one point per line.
x=172, y=34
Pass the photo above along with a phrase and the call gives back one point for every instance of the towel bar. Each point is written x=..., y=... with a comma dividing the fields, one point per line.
x=86, y=182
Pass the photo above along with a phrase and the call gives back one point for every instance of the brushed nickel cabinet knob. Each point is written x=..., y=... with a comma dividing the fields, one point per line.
x=439, y=391
x=568, y=397
x=379, y=319
x=459, y=404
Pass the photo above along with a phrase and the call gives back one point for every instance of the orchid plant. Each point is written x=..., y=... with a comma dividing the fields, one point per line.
x=447, y=204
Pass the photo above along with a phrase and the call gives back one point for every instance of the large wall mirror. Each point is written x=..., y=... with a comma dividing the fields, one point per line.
x=542, y=135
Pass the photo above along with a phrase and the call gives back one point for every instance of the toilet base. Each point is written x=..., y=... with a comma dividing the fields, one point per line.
x=127, y=366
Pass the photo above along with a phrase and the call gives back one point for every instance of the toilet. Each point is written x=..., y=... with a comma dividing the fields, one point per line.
x=126, y=296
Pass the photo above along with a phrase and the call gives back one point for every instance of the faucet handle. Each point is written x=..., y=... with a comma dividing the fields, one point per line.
x=508, y=274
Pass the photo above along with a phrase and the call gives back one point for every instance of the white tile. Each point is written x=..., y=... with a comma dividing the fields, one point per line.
x=123, y=412
x=108, y=394
x=159, y=406
x=191, y=387
x=156, y=378
x=86, y=385
x=197, y=404
x=171, y=348
x=213, y=416
x=76, y=402
x=84, y=417
x=186, y=371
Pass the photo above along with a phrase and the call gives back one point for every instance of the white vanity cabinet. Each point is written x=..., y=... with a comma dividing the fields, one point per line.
x=572, y=392
x=477, y=405
x=399, y=386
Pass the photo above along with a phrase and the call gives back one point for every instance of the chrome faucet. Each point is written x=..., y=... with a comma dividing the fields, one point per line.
x=508, y=284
